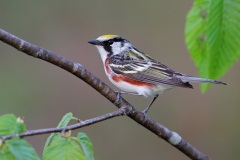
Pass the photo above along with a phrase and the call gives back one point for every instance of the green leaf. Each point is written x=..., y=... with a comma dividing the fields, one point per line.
x=21, y=150
x=212, y=36
x=64, y=149
x=65, y=120
x=15, y=148
x=86, y=145
x=196, y=30
x=5, y=153
x=9, y=124
x=63, y=123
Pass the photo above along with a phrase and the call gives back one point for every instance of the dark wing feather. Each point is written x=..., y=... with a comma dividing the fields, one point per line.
x=145, y=70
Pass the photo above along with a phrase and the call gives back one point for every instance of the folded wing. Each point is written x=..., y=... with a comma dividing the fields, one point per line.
x=145, y=69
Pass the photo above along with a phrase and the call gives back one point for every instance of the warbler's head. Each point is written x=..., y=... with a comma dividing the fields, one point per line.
x=111, y=44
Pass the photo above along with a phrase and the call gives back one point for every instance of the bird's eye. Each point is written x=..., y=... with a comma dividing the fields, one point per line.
x=110, y=42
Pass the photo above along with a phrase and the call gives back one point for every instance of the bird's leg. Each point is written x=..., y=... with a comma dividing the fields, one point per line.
x=148, y=107
x=119, y=93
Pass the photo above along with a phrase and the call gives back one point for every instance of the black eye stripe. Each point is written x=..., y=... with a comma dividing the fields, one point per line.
x=108, y=48
x=107, y=44
x=110, y=42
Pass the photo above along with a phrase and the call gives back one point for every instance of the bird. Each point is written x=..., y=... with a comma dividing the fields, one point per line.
x=135, y=72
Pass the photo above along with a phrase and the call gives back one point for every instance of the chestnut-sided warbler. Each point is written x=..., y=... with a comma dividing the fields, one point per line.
x=135, y=72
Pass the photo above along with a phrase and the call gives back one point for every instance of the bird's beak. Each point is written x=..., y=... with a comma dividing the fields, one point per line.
x=95, y=42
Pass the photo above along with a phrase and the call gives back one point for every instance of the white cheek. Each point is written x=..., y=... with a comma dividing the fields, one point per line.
x=116, y=48
x=102, y=52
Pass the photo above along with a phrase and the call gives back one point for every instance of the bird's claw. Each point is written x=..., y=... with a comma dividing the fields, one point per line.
x=116, y=102
x=144, y=114
x=123, y=110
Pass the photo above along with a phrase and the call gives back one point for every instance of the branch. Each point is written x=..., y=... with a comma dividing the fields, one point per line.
x=78, y=70
x=81, y=124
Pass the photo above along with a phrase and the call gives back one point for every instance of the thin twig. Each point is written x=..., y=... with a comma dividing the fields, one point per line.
x=78, y=70
x=81, y=124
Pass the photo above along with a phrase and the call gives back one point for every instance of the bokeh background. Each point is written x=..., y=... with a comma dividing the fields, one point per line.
x=43, y=93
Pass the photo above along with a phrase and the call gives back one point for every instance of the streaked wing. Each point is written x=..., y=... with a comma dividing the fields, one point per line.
x=143, y=68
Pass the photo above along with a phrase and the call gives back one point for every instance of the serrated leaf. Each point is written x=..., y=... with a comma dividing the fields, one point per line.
x=86, y=145
x=63, y=123
x=21, y=150
x=9, y=124
x=212, y=36
x=64, y=149
x=196, y=30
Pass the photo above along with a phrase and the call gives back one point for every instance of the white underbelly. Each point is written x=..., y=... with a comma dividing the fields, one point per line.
x=141, y=90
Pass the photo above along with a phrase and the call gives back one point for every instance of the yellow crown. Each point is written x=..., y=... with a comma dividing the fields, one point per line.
x=108, y=36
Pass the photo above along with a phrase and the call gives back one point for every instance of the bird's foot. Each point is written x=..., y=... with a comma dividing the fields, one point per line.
x=144, y=114
x=119, y=93
x=123, y=110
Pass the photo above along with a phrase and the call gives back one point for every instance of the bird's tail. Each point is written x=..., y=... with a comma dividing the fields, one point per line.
x=197, y=79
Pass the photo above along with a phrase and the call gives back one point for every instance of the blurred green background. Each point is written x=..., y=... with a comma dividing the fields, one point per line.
x=43, y=93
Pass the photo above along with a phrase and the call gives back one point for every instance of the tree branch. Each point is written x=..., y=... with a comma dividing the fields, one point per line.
x=78, y=70
x=81, y=124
